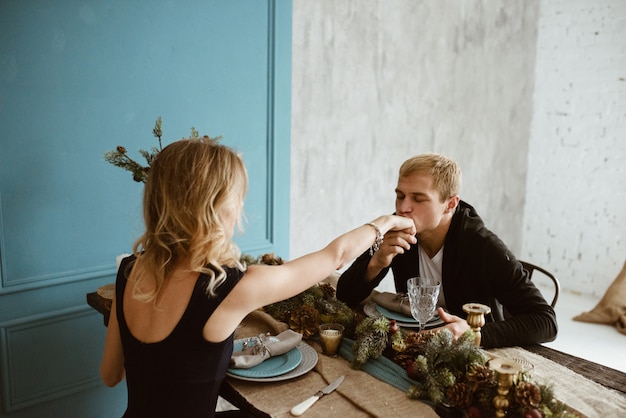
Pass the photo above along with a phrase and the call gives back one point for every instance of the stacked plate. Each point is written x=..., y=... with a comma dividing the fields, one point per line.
x=292, y=364
x=373, y=309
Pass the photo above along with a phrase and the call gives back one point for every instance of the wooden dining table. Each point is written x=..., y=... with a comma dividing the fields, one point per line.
x=589, y=389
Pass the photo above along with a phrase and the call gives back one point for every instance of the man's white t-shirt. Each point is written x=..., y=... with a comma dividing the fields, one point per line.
x=431, y=267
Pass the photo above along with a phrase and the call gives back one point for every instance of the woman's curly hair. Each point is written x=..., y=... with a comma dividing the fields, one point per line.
x=193, y=184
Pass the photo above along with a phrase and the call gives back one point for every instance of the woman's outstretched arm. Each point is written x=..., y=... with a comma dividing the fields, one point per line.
x=262, y=285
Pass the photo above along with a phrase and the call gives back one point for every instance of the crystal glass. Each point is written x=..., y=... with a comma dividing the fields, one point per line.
x=423, y=295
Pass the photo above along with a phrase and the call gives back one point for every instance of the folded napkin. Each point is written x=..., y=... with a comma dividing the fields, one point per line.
x=258, y=349
x=394, y=302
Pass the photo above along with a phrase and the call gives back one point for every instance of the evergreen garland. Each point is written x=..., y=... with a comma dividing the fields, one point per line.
x=452, y=371
x=443, y=362
x=371, y=338
x=307, y=310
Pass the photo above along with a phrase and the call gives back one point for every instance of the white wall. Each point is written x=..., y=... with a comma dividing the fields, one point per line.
x=484, y=82
x=575, y=218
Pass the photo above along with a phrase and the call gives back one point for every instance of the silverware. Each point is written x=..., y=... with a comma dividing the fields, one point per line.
x=306, y=404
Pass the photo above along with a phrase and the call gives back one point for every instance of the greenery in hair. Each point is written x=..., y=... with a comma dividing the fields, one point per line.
x=120, y=158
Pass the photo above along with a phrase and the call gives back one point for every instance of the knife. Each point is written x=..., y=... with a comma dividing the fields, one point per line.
x=306, y=404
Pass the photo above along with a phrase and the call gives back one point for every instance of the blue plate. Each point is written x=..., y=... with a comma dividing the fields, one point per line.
x=309, y=360
x=395, y=315
x=409, y=321
x=273, y=366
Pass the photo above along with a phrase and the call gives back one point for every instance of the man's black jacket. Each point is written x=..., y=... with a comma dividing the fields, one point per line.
x=477, y=267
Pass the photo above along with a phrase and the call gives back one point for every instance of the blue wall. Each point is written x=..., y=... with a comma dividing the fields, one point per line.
x=76, y=80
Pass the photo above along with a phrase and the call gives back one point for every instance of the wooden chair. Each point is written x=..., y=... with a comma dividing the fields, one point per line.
x=531, y=268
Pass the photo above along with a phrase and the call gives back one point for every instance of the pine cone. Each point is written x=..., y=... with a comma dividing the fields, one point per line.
x=479, y=374
x=459, y=395
x=417, y=341
x=527, y=394
x=403, y=359
x=270, y=259
x=413, y=345
x=328, y=290
x=305, y=320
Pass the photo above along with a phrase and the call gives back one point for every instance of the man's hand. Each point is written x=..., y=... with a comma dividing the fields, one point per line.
x=456, y=325
x=394, y=243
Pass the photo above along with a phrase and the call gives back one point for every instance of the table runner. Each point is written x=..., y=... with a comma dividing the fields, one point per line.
x=360, y=395
x=577, y=392
x=382, y=368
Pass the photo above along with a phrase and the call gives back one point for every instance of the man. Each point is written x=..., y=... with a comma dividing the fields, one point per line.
x=453, y=245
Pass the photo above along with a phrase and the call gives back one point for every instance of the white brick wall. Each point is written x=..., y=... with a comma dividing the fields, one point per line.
x=575, y=217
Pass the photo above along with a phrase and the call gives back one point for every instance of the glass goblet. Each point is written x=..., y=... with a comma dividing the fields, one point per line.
x=423, y=295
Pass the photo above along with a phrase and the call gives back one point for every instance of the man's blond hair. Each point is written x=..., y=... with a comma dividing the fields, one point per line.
x=445, y=172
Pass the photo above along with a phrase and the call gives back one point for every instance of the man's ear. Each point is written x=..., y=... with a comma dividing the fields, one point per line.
x=453, y=203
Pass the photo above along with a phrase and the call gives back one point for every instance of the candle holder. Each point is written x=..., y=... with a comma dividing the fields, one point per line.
x=476, y=317
x=330, y=338
x=506, y=372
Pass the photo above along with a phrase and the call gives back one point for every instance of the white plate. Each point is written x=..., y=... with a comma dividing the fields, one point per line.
x=309, y=360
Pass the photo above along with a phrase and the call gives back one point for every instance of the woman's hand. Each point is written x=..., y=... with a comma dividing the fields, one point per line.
x=403, y=224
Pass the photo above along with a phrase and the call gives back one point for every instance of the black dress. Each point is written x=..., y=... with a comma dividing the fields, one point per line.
x=181, y=375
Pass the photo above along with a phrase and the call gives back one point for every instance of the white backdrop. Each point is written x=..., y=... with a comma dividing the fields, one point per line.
x=528, y=96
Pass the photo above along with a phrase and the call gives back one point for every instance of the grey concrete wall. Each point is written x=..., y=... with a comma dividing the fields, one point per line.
x=375, y=82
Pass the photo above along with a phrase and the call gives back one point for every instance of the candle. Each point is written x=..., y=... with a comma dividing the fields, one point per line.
x=330, y=338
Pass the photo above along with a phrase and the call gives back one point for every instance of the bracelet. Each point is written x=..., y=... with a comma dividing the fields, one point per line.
x=379, y=239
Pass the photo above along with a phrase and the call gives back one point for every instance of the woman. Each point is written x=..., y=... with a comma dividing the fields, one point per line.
x=183, y=292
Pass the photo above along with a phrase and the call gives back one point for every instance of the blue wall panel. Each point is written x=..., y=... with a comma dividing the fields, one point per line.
x=78, y=78
x=26, y=364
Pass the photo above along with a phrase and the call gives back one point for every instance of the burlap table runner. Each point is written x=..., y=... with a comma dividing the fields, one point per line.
x=360, y=395
x=579, y=393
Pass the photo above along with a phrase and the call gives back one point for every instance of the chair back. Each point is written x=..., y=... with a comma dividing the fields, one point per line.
x=531, y=269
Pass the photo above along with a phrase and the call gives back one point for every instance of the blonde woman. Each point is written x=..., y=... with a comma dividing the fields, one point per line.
x=183, y=292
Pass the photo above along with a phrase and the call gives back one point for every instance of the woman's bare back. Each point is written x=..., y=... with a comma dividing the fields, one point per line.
x=151, y=322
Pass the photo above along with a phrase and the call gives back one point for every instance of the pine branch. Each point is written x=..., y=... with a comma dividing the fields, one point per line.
x=120, y=158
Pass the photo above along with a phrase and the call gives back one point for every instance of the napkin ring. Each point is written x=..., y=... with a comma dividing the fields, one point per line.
x=259, y=346
x=403, y=297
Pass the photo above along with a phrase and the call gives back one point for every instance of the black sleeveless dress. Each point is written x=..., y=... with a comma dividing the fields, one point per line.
x=181, y=375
